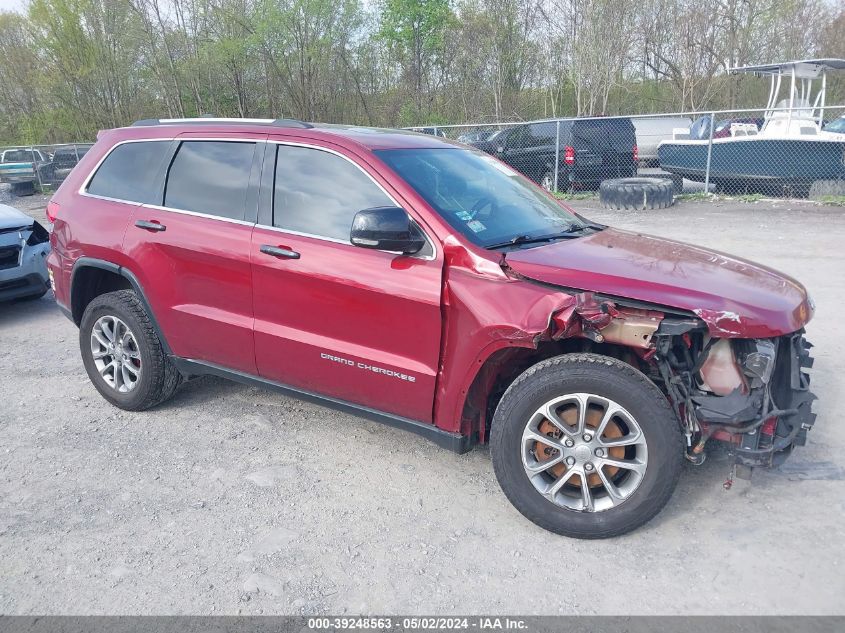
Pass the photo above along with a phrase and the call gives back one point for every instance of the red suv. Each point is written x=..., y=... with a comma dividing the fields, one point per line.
x=429, y=286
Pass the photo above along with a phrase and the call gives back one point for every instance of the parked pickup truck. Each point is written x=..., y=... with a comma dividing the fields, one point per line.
x=64, y=160
x=418, y=282
x=20, y=167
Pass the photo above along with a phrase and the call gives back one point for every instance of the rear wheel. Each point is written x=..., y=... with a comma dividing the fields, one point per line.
x=586, y=446
x=122, y=353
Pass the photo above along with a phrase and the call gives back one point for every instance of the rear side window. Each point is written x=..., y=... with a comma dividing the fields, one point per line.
x=598, y=134
x=210, y=177
x=319, y=193
x=519, y=137
x=129, y=172
x=22, y=156
x=543, y=133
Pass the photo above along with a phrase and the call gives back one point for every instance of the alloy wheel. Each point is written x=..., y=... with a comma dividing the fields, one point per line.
x=116, y=354
x=584, y=452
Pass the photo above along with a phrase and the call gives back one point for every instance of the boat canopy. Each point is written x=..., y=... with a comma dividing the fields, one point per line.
x=803, y=69
x=799, y=103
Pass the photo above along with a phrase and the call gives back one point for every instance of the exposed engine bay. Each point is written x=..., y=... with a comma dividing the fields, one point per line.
x=751, y=393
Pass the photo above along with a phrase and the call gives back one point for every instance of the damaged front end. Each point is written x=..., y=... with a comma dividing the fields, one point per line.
x=752, y=394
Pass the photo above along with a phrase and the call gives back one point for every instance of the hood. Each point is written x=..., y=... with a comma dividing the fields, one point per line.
x=11, y=218
x=734, y=297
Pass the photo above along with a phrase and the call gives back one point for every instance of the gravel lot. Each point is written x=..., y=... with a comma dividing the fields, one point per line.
x=229, y=499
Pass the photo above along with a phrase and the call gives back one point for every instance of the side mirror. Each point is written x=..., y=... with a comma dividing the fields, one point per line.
x=386, y=229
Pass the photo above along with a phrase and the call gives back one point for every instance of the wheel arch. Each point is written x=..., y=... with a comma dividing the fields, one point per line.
x=499, y=366
x=93, y=277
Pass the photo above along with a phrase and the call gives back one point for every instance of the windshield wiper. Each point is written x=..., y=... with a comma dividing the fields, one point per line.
x=572, y=231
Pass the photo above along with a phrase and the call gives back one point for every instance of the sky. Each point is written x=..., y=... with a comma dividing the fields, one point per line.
x=12, y=5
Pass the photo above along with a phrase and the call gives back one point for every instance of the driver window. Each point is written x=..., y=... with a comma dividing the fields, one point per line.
x=318, y=193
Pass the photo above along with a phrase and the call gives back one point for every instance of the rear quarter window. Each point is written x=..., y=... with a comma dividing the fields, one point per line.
x=129, y=172
x=598, y=133
x=543, y=133
x=19, y=156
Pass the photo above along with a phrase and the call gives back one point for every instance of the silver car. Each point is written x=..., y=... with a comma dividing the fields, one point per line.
x=24, y=246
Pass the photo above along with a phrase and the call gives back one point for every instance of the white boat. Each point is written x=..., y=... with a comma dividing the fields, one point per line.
x=786, y=155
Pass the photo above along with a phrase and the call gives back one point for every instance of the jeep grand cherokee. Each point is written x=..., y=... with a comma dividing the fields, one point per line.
x=431, y=287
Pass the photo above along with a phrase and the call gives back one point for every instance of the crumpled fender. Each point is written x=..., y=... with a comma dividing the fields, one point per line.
x=484, y=310
x=487, y=308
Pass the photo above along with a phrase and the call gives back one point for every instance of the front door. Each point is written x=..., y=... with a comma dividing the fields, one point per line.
x=358, y=325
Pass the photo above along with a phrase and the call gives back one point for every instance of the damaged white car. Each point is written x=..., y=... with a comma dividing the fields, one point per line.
x=24, y=246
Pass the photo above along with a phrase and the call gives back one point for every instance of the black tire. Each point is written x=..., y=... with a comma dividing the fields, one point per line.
x=159, y=378
x=609, y=378
x=636, y=193
x=23, y=188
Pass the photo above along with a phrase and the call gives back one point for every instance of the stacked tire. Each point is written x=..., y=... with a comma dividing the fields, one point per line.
x=637, y=193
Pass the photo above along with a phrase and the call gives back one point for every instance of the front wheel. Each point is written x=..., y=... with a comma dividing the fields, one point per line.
x=586, y=446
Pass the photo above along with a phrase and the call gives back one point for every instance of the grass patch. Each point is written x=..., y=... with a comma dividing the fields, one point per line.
x=577, y=195
x=836, y=201
x=748, y=197
x=693, y=197
x=701, y=196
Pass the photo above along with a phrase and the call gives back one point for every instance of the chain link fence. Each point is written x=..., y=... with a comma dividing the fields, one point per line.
x=778, y=152
x=25, y=169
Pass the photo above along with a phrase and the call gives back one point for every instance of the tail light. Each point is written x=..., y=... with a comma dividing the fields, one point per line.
x=52, y=211
x=569, y=155
x=636, y=153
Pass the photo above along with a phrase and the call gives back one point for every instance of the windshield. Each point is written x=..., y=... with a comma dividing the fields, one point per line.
x=837, y=126
x=484, y=199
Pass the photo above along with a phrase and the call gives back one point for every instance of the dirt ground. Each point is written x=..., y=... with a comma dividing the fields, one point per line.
x=229, y=499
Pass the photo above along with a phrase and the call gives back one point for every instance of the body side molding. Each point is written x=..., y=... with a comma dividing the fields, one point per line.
x=453, y=441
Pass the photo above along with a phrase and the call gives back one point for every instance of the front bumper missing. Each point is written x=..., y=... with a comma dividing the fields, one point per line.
x=24, y=271
x=791, y=393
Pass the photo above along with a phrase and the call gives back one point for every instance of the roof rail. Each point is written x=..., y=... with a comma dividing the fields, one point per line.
x=292, y=123
x=209, y=119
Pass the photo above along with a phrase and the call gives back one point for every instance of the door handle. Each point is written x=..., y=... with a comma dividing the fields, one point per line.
x=277, y=251
x=150, y=226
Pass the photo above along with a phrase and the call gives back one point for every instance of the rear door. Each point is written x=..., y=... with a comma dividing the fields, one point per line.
x=191, y=248
x=351, y=323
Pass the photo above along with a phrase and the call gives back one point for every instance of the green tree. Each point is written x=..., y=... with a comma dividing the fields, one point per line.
x=415, y=31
